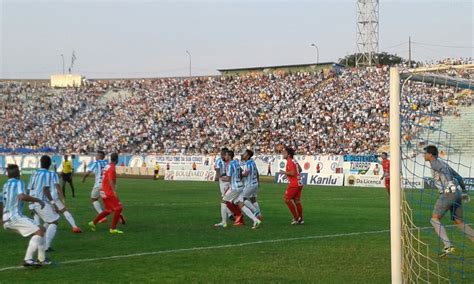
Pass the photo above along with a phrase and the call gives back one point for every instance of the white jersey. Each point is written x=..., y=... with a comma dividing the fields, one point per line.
x=98, y=169
x=12, y=205
x=40, y=180
x=220, y=166
x=235, y=172
x=252, y=178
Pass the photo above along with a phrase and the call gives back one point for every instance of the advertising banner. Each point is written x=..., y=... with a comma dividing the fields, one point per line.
x=363, y=180
x=413, y=183
x=198, y=175
x=469, y=181
x=326, y=179
x=316, y=164
x=362, y=165
x=281, y=178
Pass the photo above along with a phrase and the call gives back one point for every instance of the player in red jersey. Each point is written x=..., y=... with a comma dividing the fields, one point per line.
x=109, y=197
x=293, y=191
x=386, y=171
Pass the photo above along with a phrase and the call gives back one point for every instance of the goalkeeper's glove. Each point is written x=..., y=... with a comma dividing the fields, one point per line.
x=451, y=187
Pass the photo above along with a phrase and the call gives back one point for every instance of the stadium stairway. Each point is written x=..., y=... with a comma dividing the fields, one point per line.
x=462, y=129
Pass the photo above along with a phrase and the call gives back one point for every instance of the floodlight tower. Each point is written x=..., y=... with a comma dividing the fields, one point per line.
x=367, y=32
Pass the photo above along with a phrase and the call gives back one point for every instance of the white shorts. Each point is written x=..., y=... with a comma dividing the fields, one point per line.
x=23, y=225
x=223, y=185
x=95, y=193
x=250, y=191
x=59, y=204
x=47, y=214
x=233, y=196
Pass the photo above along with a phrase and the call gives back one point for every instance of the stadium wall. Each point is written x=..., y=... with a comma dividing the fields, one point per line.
x=347, y=170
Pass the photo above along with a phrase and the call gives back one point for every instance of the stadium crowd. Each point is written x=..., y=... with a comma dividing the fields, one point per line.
x=325, y=113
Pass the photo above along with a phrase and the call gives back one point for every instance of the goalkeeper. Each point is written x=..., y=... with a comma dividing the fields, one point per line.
x=452, y=192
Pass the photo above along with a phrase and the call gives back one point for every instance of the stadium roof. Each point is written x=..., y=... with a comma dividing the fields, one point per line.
x=280, y=66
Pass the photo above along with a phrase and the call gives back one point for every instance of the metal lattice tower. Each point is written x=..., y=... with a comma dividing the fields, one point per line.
x=367, y=32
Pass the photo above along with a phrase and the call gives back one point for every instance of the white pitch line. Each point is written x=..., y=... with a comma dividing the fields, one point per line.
x=207, y=248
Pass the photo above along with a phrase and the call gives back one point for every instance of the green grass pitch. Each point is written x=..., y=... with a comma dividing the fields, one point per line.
x=169, y=237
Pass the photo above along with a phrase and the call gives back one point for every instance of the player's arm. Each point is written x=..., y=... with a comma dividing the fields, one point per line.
x=246, y=171
x=27, y=198
x=218, y=170
x=459, y=179
x=113, y=180
x=291, y=171
x=227, y=177
x=47, y=192
x=60, y=194
x=112, y=184
x=86, y=175
x=446, y=178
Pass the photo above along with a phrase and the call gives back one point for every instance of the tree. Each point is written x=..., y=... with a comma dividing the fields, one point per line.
x=383, y=59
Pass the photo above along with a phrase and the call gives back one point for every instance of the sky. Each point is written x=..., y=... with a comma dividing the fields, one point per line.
x=113, y=39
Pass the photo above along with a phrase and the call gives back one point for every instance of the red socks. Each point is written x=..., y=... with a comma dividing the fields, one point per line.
x=300, y=210
x=233, y=208
x=117, y=216
x=292, y=208
x=101, y=216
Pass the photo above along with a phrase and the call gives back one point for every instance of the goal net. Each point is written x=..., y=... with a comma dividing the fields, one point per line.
x=431, y=106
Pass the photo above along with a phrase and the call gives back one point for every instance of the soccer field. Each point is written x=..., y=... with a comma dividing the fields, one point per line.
x=169, y=237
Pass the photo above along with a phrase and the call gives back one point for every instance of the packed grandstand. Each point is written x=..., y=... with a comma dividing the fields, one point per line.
x=325, y=113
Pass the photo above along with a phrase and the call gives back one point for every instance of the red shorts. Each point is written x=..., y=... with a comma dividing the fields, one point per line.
x=112, y=203
x=293, y=192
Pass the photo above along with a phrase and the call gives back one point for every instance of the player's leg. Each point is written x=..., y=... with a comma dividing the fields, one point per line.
x=240, y=202
x=246, y=194
x=225, y=207
x=102, y=215
x=288, y=198
x=117, y=209
x=72, y=186
x=50, y=234
x=63, y=184
x=26, y=227
x=223, y=187
x=50, y=218
x=255, y=203
x=122, y=219
x=69, y=218
x=299, y=207
x=115, y=220
x=457, y=217
x=387, y=185
x=442, y=205
x=95, y=194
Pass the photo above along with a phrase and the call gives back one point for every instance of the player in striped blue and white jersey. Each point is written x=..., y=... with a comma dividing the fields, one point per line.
x=11, y=204
x=235, y=194
x=40, y=186
x=60, y=202
x=251, y=183
x=98, y=169
x=220, y=167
